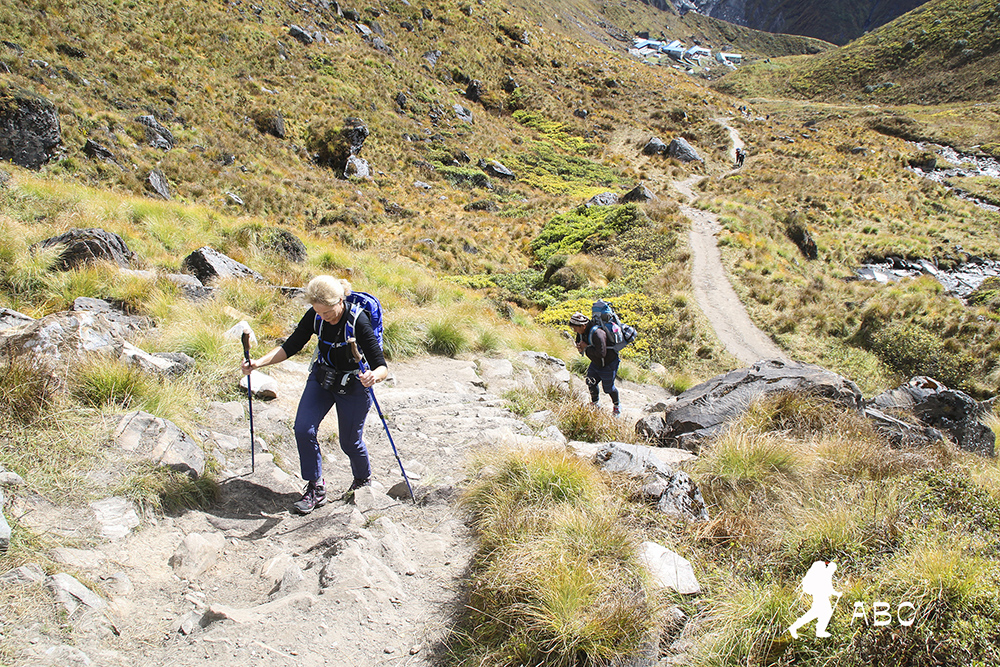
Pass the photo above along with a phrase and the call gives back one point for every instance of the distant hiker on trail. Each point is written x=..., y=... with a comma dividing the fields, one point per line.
x=592, y=341
x=334, y=380
x=740, y=156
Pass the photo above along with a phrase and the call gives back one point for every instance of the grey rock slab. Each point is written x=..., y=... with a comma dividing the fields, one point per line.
x=71, y=594
x=11, y=319
x=680, y=149
x=23, y=576
x=635, y=460
x=603, y=199
x=950, y=410
x=669, y=569
x=640, y=194
x=196, y=554
x=81, y=559
x=84, y=246
x=161, y=441
x=217, y=612
x=654, y=146
x=30, y=132
x=208, y=264
x=373, y=497
x=703, y=410
x=116, y=516
x=66, y=335
x=232, y=411
x=261, y=385
x=147, y=362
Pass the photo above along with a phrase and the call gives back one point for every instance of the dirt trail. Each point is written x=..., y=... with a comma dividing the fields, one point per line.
x=712, y=289
x=372, y=581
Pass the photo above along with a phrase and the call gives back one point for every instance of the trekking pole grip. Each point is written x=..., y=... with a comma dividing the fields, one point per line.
x=358, y=357
x=246, y=345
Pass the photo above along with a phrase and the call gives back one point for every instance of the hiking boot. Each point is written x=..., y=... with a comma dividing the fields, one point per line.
x=358, y=483
x=616, y=412
x=315, y=496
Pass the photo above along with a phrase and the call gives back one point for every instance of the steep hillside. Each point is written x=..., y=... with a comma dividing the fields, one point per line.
x=943, y=51
x=839, y=22
x=253, y=110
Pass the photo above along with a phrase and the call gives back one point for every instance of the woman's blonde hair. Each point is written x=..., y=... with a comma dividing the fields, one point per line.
x=327, y=290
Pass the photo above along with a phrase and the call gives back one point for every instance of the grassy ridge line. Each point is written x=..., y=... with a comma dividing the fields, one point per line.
x=943, y=51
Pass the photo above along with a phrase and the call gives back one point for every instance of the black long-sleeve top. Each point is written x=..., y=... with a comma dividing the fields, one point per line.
x=331, y=334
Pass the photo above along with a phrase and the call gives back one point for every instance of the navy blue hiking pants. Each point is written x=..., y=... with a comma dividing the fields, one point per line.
x=605, y=378
x=352, y=408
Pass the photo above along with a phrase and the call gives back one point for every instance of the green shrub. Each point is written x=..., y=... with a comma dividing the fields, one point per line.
x=987, y=295
x=911, y=350
x=584, y=228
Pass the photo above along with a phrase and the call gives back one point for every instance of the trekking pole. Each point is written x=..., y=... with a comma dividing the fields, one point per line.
x=371, y=392
x=246, y=356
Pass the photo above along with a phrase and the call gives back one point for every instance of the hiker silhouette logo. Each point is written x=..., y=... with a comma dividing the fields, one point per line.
x=818, y=583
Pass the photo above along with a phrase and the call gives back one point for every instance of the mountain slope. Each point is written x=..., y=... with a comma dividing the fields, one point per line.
x=839, y=22
x=943, y=51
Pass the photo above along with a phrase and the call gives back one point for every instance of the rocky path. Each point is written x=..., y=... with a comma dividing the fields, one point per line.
x=712, y=290
x=369, y=580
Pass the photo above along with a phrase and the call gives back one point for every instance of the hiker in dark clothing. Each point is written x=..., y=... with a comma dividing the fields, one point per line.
x=740, y=156
x=334, y=380
x=592, y=341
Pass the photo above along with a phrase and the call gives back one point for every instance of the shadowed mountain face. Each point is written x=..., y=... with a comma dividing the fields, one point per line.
x=837, y=21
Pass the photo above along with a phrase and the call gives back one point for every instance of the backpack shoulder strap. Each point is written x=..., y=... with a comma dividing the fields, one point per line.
x=352, y=321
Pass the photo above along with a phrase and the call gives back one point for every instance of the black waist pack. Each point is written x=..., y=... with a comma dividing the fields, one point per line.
x=333, y=380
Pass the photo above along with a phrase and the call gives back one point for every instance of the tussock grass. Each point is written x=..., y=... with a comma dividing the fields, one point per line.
x=556, y=579
x=28, y=390
x=798, y=480
x=446, y=337
x=158, y=489
x=580, y=421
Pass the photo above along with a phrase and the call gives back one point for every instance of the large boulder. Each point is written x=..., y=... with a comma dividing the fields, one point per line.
x=494, y=168
x=654, y=146
x=680, y=149
x=952, y=411
x=68, y=335
x=355, y=133
x=675, y=492
x=702, y=411
x=83, y=246
x=639, y=194
x=156, y=134
x=287, y=245
x=29, y=129
x=602, y=199
x=208, y=264
x=157, y=183
x=357, y=167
